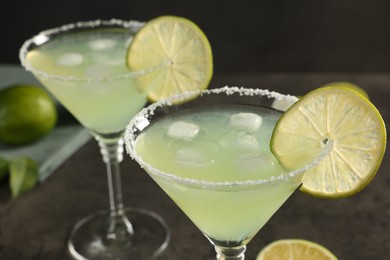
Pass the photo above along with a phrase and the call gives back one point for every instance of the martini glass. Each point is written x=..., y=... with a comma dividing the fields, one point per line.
x=217, y=165
x=83, y=66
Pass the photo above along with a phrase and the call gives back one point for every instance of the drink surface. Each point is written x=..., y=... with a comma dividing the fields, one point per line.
x=213, y=144
x=219, y=144
x=92, y=82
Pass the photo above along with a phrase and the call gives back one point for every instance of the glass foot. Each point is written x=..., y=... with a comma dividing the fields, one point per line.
x=98, y=236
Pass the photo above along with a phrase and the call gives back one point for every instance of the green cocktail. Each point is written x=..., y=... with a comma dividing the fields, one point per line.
x=84, y=66
x=212, y=157
x=218, y=144
x=100, y=92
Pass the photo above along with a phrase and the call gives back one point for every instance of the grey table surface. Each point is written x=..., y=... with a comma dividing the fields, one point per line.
x=36, y=225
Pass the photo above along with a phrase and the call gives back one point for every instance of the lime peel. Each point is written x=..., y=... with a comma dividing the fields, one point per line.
x=348, y=85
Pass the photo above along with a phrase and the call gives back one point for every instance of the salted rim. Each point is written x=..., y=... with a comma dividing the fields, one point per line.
x=43, y=36
x=140, y=119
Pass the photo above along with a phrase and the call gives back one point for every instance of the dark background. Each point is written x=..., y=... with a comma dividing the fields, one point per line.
x=251, y=36
x=272, y=43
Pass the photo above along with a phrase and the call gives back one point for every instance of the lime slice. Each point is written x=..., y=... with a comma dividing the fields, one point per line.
x=298, y=249
x=345, y=84
x=178, y=51
x=351, y=122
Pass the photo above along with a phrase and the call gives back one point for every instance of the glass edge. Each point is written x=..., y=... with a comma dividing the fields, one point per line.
x=129, y=138
x=83, y=24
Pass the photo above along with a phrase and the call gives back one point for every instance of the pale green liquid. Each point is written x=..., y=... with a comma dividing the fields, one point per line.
x=225, y=215
x=104, y=106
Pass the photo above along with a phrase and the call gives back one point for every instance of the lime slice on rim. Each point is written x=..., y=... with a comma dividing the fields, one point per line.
x=353, y=124
x=298, y=249
x=345, y=84
x=178, y=51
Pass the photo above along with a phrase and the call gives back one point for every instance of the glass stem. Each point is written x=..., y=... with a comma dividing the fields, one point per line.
x=112, y=152
x=230, y=253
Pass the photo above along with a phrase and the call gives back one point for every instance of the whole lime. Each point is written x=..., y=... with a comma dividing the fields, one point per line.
x=27, y=113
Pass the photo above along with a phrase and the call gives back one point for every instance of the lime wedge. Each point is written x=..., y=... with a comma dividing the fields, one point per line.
x=178, y=50
x=353, y=124
x=295, y=249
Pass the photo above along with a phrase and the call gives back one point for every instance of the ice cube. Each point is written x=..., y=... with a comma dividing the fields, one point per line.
x=70, y=59
x=199, y=154
x=245, y=121
x=99, y=70
x=240, y=141
x=253, y=162
x=105, y=58
x=282, y=104
x=128, y=41
x=102, y=44
x=183, y=130
x=192, y=157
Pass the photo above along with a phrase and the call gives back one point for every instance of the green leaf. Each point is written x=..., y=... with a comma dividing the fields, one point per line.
x=3, y=168
x=23, y=175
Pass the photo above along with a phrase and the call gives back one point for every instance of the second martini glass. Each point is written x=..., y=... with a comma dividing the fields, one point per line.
x=83, y=66
x=217, y=164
